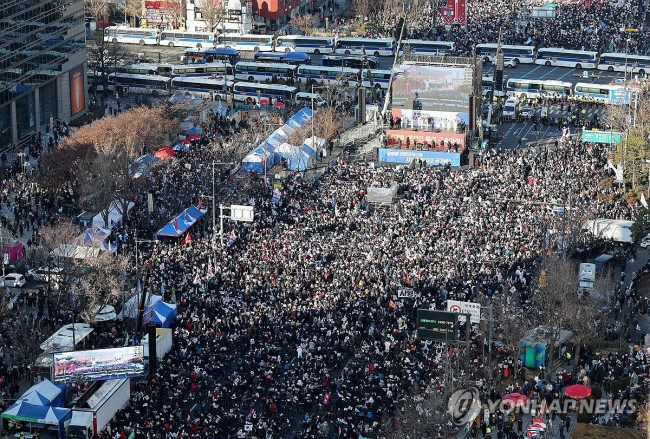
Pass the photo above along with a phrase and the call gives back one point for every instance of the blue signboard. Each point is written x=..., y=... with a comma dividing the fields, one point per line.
x=620, y=97
x=432, y=158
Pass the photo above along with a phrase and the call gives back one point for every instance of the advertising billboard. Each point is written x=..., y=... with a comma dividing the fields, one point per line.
x=77, y=90
x=432, y=158
x=436, y=325
x=99, y=364
x=433, y=88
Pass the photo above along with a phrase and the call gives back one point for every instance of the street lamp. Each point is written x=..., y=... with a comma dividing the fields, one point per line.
x=627, y=45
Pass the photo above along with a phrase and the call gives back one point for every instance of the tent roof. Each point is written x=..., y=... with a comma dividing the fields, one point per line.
x=43, y=393
x=61, y=340
x=37, y=413
x=185, y=220
x=159, y=312
x=165, y=153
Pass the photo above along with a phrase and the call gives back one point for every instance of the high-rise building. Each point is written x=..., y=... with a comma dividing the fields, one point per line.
x=42, y=64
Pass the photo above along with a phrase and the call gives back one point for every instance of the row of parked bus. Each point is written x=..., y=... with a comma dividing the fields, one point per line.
x=535, y=88
x=558, y=57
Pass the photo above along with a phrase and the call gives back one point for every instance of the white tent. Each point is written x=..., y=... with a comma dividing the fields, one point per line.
x=114, y=215
x=62, y=340
x=102, y=313
x=131, y=307
x=163, y=342
x=315, y=142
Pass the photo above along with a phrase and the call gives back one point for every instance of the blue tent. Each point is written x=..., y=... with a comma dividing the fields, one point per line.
x=181, y=147
x=160, y=313
x=194, y=130
x=140, y=167
x=45, y=393
x=181, y=222
x=255, y=162
x=300, y=118
x=39, y=414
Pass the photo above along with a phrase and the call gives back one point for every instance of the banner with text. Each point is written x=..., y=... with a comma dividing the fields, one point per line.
x=471, y=308
x=442, y=140
x=432, y=158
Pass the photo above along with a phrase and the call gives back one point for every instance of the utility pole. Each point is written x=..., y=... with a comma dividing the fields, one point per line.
x=143, y=294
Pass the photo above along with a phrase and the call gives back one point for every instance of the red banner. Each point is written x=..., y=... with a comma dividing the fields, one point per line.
x=455, y=12
x=461, y=12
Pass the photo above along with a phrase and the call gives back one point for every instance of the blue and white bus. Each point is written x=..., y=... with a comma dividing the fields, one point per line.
x=372, y=46
x=146, y=69
x=518, y=54
x=425, y=47
x=352, y=61
x=131, y=35
x=130, y=83
x=247, y=42
x=293, y=58
x=601, y=92
x=380, y=78
x=533, y=88
x=328, y=75
x=252, y=92
x=557, y=57
x=615, y=62
x=202, y=70
x=179, y=38
x=209, y=88
x=260, y=71
x=202, y=56
x=299, y=43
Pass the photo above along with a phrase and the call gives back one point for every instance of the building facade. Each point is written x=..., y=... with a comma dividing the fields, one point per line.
x=42, y=65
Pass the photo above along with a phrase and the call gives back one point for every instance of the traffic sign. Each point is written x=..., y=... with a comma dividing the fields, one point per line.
x=601, y=136
x=471, y=308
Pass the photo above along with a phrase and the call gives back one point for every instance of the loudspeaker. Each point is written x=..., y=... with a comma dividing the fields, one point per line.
x=153, y=360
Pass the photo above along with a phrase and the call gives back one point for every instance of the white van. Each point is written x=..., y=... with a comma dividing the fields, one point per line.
x=305, y=99
x=510, y=108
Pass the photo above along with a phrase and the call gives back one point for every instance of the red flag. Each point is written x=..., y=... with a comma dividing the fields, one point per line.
x=392, y=305
x=272, y=407
x=176, y=224
x=187, y=239
x=326, y=398
x=199, y=204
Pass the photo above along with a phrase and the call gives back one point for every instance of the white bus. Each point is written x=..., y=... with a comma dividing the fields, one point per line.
x=372, y=46
x=532, y=88
x=487, y=82
x=602, y=93
x=260, y=71
x=327, y=75
x=146, y=69
x=518, y=54
x=131, y=35
x=179, y=38
x=299, y=43
x=424, y=47
x=557, y=57
x=130, y=83
x=244, y=42
x=380, y=78
x=615, y=62
x=252, y=92
x=209, y=88
x=202, y=70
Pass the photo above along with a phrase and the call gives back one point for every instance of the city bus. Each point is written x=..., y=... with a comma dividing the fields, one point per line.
x=253, y=92
x=209, y=88
x=352, y=61
x=518, y=54
x=487, y=83
x=146, y=69
x=202, y=70
x=260, y=71
x=299, y=43
x=328, y=75
x=380, y=78
x=246, y=42
x=179, y=38
x=293, y=58
x=202, y=56
x=557, y=57
x=424, y=47
x=615, y=62
x=372, y=46
x=532, y=88
x=602, y=93
x=153, y=84
x=131, y=35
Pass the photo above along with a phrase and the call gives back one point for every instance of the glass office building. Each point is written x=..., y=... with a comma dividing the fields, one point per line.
x=42, y=65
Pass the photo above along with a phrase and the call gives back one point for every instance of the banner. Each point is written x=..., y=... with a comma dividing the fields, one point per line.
x=431, y=158
x=150, y=202
x=77, y=90
x=406, y=292
x=474, y=309
x=426, y=138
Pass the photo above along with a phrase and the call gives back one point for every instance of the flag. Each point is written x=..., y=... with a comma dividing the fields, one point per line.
x=149, y=297
x=176, y=223
x=139, y=286
x=188, y=239
x=199, y=206
x=392, y=305
x=174, y=295
x=162, y=290
x=644, y=203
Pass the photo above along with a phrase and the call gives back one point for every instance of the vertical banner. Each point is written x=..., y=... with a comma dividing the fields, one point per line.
x=249, y=8
x=461, y=12
x=449, y=12
x=150, y=202
x=77, y=90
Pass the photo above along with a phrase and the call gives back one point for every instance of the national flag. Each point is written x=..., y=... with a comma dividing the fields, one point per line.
x=644, y=203
x=174, y=295
x=392, y=305
x=188, y=239
x=176, y=224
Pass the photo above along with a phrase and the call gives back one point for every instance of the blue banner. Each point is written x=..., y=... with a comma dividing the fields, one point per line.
x=432, y=158
x=619, y=97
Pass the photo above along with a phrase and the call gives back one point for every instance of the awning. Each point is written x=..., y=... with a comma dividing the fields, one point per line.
x=181, y=222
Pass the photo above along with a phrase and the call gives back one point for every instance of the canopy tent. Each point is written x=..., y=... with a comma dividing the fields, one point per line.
x=270, y=149
x=141, y=166
x=160, y=313
x=165, y=153
x=130, y=308
x=181, y=222
x=285, y=131
x=256, y=162
x=300, y=118
x=194, y=130
x=88, y=245
x=45, y=393
x=39, y=414
x=101, y=313
x=163, y=342
x=276, y=139
x=64, y=339
x=114, y=215
x=315, y=142
x=181, y=147
x=297, y=158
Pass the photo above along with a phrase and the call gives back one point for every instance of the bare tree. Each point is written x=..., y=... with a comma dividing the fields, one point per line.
x=134, y=8
x=176, y=9
x=363, y=8
x=213, y=13
x=327, y=123
x=305, y=23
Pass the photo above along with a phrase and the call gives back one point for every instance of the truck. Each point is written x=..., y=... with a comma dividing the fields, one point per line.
x=94, y=410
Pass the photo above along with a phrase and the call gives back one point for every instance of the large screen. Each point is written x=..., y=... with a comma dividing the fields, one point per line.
x=433, y=88
x=99, y=364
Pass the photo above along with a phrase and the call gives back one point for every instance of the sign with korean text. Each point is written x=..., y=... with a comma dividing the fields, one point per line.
x=431, y=158
x=436, y=325
x=471, y=308
x=406, y=292
x=601, y=136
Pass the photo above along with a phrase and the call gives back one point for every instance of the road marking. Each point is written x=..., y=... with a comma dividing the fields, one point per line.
x=530, y=71
x=549, y=72
x=567, y=73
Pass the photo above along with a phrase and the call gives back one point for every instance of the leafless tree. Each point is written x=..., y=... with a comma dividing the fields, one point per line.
x=213, y=13
x=305, y=23
x=134, y=8
x=177, y=12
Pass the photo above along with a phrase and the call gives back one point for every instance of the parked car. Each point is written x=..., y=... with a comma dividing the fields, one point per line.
x=526, y=112
x=645, y=242
x=45, y=274
x=14, y=280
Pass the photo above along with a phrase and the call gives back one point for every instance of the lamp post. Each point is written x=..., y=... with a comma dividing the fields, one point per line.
x=627, y=45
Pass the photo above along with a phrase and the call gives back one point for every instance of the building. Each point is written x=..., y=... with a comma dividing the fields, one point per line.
x=42, y=65
x=278, y=12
